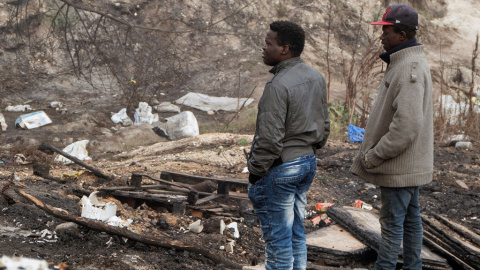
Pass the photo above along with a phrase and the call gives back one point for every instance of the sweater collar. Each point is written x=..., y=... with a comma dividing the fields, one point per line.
x=386, y=55
x=286, y=63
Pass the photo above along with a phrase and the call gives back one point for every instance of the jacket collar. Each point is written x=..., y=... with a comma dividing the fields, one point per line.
x=386, y=55
x=285, y=64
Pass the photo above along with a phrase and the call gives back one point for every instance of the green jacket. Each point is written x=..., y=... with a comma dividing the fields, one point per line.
x=397, y=148
x=292, y=118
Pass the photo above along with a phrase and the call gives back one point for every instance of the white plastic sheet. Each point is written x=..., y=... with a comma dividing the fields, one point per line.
x=208, y=103
x=77, y=149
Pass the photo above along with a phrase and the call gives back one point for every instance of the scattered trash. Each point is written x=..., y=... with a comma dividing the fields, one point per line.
x=463, y=146
x=3, y=123
x=122, y=117
x=33, y=120
x=77, y=149
x=182, y=125
x=232, y=225
x=207, y=103
x=56, y=104
x=143, y=114
x=363, y=205
x=167, y=107
x=455, y=109
x=369, y=186
x=93, y=209
x=20, y=159
x=18, y=108
x=23, y=263
x=461, y=184
x=229, y=246
x=321, y=220
x=196, y=227
x=355, y=134
x=323, y=206
x=245, y=170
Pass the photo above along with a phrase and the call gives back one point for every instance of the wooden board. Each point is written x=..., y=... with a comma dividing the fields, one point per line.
x=335, y=246
x=365, y=225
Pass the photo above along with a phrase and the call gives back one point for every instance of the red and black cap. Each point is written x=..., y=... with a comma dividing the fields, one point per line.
x=399, y=14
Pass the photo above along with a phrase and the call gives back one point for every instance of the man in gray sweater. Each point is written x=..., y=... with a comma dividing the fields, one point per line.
x=397, y=150
x=292, y=123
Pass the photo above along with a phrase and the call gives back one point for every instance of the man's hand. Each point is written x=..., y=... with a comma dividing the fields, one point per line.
x=253, y=178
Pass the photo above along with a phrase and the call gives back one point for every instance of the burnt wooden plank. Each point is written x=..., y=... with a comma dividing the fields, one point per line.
x=365, y=225
x=436, y=244
x=208, y=198
x=45, y=147
x=453, y=242
x=193, y=179
x=335, y=246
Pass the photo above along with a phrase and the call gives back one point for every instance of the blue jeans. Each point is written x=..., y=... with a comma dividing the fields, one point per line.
x=400, y=219
x=279, y=200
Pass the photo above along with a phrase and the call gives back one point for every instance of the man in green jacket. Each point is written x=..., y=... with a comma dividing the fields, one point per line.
x=292, y=123
x=397, y=149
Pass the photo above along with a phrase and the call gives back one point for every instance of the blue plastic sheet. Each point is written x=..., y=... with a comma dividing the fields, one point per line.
x=355, y=134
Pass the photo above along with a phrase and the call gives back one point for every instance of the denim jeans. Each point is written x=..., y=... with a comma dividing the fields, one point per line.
x=400, y=220
x=279, y=200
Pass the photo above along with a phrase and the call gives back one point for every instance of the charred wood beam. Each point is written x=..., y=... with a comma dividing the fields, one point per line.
x=43, y=170
x=124, y=232
x=460, y=229
x=44, y=147
x=436, y=245
x=455, y=243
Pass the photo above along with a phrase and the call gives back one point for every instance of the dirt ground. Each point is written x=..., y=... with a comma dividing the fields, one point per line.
x=29, y=231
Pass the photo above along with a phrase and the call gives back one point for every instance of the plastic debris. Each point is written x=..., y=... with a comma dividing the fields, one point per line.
x=355, y=134
x=33, y=120
x=196, y=226
x=122, y=117
x=93, y=209
x=18, y=108
x=232, y=225
x=323, y=206
x=363, y=205
x=3, y=123
x=23, y=263
x=463, y=146
x=56, y=104
x=77, y=149
x=208, y=103
x=143, y=114
x=20, y=159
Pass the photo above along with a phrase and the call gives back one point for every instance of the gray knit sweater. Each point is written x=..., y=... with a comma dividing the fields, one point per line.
x=397, y=149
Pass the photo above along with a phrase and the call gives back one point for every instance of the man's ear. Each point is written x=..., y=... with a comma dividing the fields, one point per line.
x=285, y=49
x=403, y=36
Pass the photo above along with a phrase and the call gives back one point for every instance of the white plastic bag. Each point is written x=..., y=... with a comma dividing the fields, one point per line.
x=77, y=149
x=122, y=117
x=143, y=114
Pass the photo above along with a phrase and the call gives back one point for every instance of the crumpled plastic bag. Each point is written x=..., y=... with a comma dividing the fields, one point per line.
x=77, y=149
x=143, y=114
x=122, y=117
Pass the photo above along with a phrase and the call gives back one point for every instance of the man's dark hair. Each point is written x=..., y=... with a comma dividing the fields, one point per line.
x=289, y=33
x=410, y=31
